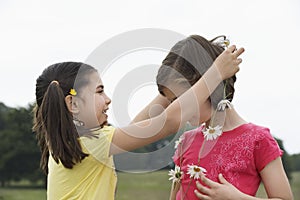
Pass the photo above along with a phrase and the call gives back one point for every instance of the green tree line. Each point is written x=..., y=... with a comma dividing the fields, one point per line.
x=19, y=158
x=20, y=154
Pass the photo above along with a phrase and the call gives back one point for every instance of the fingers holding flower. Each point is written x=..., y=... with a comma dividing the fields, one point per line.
x=227, y=63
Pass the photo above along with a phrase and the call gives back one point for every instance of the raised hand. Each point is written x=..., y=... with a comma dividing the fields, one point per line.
x=227, y=63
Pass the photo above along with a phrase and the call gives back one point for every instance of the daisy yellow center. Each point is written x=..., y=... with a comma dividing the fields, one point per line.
x=226, y=42
x=197, y=169
x=178, y=175
x=211, y=131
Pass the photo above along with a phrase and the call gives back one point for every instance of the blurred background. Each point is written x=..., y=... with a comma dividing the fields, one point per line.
x=35, y=34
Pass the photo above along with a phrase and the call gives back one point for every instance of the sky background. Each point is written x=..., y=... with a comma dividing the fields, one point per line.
x=35, y=34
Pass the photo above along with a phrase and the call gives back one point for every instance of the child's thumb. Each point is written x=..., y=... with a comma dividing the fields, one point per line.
x=222, y=179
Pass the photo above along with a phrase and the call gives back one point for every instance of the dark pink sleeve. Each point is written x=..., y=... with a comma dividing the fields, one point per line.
x=266, y=150
x=188, y=138
x=181, y=148
x=176, y=157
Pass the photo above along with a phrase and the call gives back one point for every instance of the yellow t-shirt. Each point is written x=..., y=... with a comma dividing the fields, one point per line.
x=93, y=178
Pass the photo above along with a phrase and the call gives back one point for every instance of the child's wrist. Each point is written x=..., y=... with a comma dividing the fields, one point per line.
x=212, y=78
x=213, y=73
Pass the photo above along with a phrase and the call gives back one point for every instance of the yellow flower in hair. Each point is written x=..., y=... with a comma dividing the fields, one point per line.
x=73, y=92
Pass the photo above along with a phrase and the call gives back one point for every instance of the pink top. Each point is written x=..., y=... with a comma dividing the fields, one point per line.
x=239, y=154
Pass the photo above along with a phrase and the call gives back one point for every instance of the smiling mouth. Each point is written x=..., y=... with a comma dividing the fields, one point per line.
x=104, y=111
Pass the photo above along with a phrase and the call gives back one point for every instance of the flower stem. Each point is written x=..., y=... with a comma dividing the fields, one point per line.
x=224, y=90
x=200, y=152
x=187, y=189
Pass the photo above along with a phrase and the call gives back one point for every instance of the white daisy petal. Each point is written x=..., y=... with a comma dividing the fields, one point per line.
x=195, y=171
x=175, y=174
x=179, y=141
x=212, y=133
x=223, y=104
x=223, y=43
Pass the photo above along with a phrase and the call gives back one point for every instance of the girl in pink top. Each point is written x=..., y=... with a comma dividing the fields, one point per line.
x=239, y=155
x=227, y=157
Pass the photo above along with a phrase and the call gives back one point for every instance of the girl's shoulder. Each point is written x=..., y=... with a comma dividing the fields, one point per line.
x=253, y=132
x=257, y=129
x=250, y=128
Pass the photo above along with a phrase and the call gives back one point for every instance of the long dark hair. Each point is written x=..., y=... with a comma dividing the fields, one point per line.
x=188, y=60
x=53, y=123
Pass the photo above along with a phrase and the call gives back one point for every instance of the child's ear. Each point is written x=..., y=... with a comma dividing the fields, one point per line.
x=72, y=104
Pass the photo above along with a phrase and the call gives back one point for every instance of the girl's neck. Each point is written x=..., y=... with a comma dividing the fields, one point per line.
x=232, y=120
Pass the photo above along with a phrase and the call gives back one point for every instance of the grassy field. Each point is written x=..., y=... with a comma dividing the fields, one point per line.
x=143, y=186
x=157, y=186
x=22, y=194
x=130, y=186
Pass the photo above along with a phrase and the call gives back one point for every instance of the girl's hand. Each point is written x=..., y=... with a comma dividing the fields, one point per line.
x=217, y=191
x=227, y=63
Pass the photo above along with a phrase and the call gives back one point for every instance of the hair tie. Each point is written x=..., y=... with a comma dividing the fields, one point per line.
x=54, y=81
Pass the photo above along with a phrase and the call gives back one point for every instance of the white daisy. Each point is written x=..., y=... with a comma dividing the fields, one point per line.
x=223, y=43
x=194, y=171
x=212, y=132
x=179, y=141
x=175, y=174
x=223, y=104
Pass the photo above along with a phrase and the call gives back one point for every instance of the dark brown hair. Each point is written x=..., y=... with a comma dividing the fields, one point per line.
x=188, y=60
x=53, y=123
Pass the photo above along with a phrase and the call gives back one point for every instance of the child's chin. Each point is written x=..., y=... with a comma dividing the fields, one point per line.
x=194, y=122
x=103, y=124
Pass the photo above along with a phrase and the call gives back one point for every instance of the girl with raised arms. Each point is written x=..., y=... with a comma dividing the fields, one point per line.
x=225, y=157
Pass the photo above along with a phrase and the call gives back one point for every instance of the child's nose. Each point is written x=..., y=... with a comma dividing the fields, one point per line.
x=107, y=100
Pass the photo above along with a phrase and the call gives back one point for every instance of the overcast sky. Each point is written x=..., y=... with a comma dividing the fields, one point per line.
x=35, y=34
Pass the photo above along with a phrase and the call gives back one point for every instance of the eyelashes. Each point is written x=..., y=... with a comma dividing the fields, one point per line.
x=173, y=99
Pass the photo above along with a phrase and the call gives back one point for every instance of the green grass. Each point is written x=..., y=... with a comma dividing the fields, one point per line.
x=157, y=186
x=295, y=184
x=143, y=186
x=23, y=190
x=22, y=194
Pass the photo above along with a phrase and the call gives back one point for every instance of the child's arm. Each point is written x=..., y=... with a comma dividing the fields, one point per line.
x=154, y=108
x=176, y=115
x=174, y=189
x=273, y=177
x=275, y=180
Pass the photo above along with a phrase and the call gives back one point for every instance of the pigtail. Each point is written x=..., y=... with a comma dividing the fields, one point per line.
x=40, y=136
x=60, y=134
